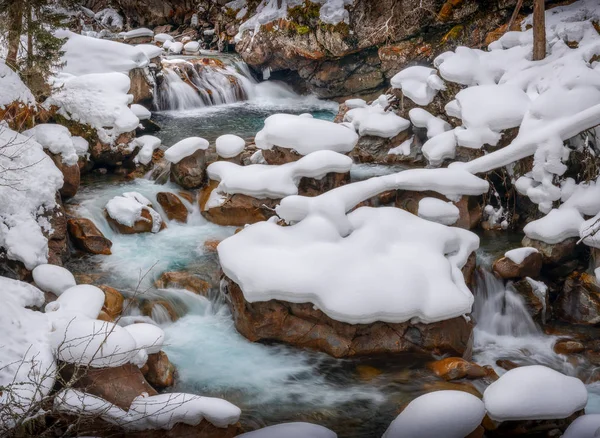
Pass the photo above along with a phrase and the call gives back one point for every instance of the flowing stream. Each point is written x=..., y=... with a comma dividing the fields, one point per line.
x=275, y=383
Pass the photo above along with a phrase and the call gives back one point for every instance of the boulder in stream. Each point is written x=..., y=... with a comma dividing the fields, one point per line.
x=173, y=207
x=87, y=237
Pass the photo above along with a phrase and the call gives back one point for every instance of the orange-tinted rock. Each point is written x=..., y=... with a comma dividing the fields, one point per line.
x=159, y=371
x=113, y=301
x=211, y=245
x=453, y=368
x=304, y=326
x=279, y=155
x=103, y=316
x=143, y=225
x=529, y=267
x=188, y=196
x=507, y=364
x=87, y=237
x=238, y=210
x=173, y=207
x=183, y=280
x=158, y=309
x=568, y=346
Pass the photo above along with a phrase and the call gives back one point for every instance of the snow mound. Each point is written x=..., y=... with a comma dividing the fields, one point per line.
x=52, y=278
x=311, y=262
x=305, y=134
x=57, y=139
x=83, y=300
x=275, y=182
x=229, y=146
x=436, y=210
x=148, y=144
x=150, y=50
x=147, y=336
x=139, y=32
x=518, y=255
x=141, y=112
x=28, y=185
x=586, y=426
x=448, y=414
x=192, y=47
x=110, y=18
x=419, y=84
x=162, y=37
x=12, y=88
x=374, y=120
x=291, y=430
x=185, y=148
x=534, y=392
x=127, y=210
x=423, y=119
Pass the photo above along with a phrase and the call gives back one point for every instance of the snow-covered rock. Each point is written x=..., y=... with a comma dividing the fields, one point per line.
x=534, y=392
x=82, y=300
x=162, y=37
x=192, y=47
x=229, y=146
x=141, y=112
x=291, y=430
x=148, y=144
x=185, y=148
x=436, y=210
x=57, y=139
x=586, y=426
x=12, y=88
x=52, y=278
x=147, y=337
x=137, y=33
x=133, y=213
x=374, y=120
x=451, y=414
x=420, y=84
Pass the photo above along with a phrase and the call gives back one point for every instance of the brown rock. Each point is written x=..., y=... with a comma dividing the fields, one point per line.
x=112, y=155
x=211, y=245
x=315, y=187
x=87, y=237
x=280, y=155
x=204, y=430
x=239, y=210
x=159, y=308
x=173, y=207
x=57, y=235
x=143, y=225
x=568, y=346
x=529, y=267
x=533, y=428
x=507, y=364
x=183, y=280
x=190, y=172
x=188, y=196
x=579, y=300
x=554, y=254
x=537, y=304
x=113, y=302
x=71, y=177
x=304, y=326
x=103, y=316
x=159, y=371
x=141, y=87
x=453, y=368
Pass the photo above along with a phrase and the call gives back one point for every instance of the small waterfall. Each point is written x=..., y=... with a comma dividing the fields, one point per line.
x=499, y=310
x=175, y=94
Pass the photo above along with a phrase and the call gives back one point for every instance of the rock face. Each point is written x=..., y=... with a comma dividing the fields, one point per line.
x=87, y=237
x=190, y=172
x=173, y=207
x=303, y=326
x=579, y=300
x=537, y=305
x=141, y=85
x=529, y=267
x=557, y=253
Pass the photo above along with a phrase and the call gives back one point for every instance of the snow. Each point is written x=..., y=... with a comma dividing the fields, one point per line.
x=420, y=84
x=355, y=103
x=534, y=392
x=27, y=366
x=266, y=181
x=127, y=210
x=137, y=33
x=192, y=47
x=588, y=232
x=93, y=343
x=84, y=55
x=334, y=11
x=147, y=336
x=518, y=255
x=81, y=146
x=291, y=430
x=150, y=50
x=148, y=144
x=229, y=146
x=423, y=119
x=110, y=18
x=305, y=134
x=52, y=278
x=185, y=148
x=436, y=210
x=556, y=226
x=374, y=120
x=98, y=100
x=82, y=300
x=57, y=139
x=141, y=112
x=162, y=37
x=28, y=187
x=451, y=414
x=12, y=88
x=175, y=48
x=311, y=262
x=586, y=426
x=403, y=148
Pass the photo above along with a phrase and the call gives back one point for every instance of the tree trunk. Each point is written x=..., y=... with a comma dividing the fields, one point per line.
x=539, y=30
x=514, y=16
x=29, y=38
x=15, y=20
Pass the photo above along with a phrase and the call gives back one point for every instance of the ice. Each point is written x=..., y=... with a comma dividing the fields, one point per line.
x=110, y=18
x=420, y=84
x=185, y=148
x=229, y=146
x=436, y=210
x=52, y=278
x=334, y=11
x=518, y=255
x=265, y=181
x=451, y=414
x=291, y=430
x=57, y=139
x=534, y=392
x=305, y=134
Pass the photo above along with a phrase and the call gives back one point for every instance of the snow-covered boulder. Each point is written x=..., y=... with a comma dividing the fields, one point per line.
x=132, y=213
x=52, y=278
x=451, y=414
x=83, y=300
x=436, y=210
x=419, y=84
x=147, y=144
x=230, y=146
x=534, y=392
x=192, y=47
x=519, y=263
x=147, y=336
x=188, y=162
x=586, y=426
x=12, y=90
x=291, y=430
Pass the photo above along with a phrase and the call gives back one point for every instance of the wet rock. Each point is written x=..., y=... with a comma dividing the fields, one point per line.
x=367, y=373
x=440, y=385
x=579, y=300
x=530, y=267
x=211, y=245
x=87, y=237
x=119, y=154
x=507, y=364
x=453, y=368
x=173, y=207
x=304, y=326
x=190, y=172
x=149, y=126
x=113, y=302
x=554, y=254
x=531, y=428
x=143, y=225
x=279, y=155
x=537, y=304
x=203, y=430
x=568, y=346
x=57, y=234
x=142, y=85
x=71, y=177
x=315, y=187
x=159, y=310
x=159, y=371
x=183, y=280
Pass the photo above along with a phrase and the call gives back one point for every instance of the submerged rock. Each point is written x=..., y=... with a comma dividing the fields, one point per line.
x=453, y=368
x=183, y=280
x=304, y=326
x=87, y=237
